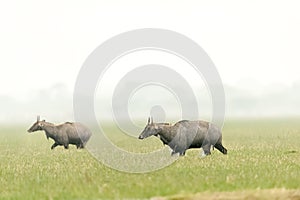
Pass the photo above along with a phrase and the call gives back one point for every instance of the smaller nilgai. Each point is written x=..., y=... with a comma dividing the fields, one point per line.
x=63, y=134
x=186, y=134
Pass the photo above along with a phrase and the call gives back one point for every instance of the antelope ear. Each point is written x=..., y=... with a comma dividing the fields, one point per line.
x=148, y=120
x=43, y=121
x=38, y=118
x=151, y=120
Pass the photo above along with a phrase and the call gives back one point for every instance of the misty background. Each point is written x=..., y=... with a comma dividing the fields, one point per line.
x=254, y=45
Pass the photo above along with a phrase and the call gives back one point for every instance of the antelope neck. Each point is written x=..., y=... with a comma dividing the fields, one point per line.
x=165, y=132
x=49, y=128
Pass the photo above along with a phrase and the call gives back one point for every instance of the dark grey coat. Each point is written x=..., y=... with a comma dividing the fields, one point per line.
x=64, y=134
x=186, y=134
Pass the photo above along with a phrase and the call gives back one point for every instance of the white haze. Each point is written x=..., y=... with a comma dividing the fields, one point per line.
x=255, y=46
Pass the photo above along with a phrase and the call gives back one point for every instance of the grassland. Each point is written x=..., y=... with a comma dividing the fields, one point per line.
x=263, y=156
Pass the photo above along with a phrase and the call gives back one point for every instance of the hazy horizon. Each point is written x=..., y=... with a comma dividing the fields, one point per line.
x=56, y=104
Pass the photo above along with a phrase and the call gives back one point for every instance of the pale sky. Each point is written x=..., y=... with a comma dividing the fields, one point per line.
x=255, y=45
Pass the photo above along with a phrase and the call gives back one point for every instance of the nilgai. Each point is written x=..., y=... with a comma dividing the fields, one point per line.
x=185, y=135
x=63, y=134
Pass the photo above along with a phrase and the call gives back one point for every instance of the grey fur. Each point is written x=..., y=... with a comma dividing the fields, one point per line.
x=186, y=134
x=63, y=134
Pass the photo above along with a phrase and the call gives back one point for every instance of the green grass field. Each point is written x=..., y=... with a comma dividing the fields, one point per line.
x=263, y=156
